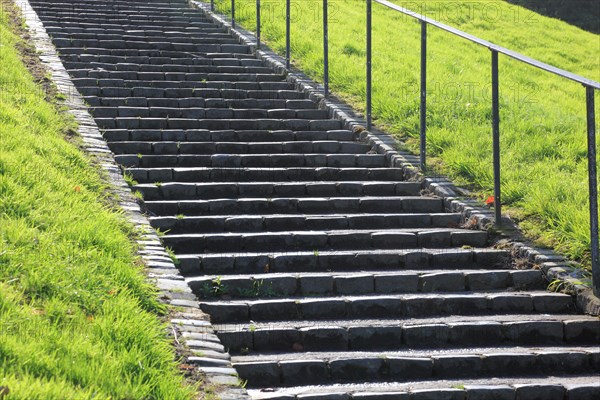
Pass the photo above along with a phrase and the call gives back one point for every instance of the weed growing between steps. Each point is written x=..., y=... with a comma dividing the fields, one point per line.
x=77, y=318
x=543, y=130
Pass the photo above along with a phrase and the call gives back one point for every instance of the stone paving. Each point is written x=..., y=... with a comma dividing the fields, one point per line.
x=327, y=269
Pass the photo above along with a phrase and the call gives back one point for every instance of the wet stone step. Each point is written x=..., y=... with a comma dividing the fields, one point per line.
x=387, y=306
x=361, y=282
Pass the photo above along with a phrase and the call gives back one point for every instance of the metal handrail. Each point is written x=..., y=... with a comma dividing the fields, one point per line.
x=502, y=50
x=589, y=84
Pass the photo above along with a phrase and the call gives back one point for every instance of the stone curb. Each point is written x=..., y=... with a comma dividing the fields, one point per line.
x=555, y=267
x=189, y=326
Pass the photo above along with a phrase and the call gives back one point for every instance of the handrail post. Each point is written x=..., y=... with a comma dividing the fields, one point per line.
x=233, y=13
x=593, y=181
x=287, y=33
x=496, y=138
x=257, y=24
x=326, y=47
x=423, y=124
x=369, y=65
x=212, y=5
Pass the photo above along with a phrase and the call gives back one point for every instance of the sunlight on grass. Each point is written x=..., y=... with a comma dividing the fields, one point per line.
x=543, y=130
x=78, y=320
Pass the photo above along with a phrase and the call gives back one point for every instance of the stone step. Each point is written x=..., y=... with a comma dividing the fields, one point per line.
x=393, y=335
x=130, y=23
x=176, y=64
x=95, y=39
x=72, y=28
x=180, y=51
x=582, y=387
x=198, y=102
x=212, y=113
x=251, y=160
x=229, y=135
x=177, y=224
x=328, y=368
x=361, y=282
x=232, y=93
x=326, y=174
x=176, y=80
x=324, y=239
x=388, y=306
x=129, y=70
x=353, y=260
x=316, y=205
x=248, y=190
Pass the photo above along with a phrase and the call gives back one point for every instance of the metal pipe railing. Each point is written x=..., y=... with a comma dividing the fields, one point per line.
x=326, y=47
x=258, y=23
x=288, y=33
x=369, y=108
x=590, y=87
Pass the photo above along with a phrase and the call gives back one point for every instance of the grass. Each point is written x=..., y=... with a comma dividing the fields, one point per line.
x=78, y=320
x=543, y=129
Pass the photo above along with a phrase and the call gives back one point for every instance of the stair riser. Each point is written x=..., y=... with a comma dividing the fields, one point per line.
x=293, y=373
x=200, y=191
x=185, y=225
x=550, y=333
x=384, y=307
x=362, y=283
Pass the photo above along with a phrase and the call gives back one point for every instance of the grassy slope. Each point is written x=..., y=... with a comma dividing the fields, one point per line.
x=77, y=318
x=543, y=117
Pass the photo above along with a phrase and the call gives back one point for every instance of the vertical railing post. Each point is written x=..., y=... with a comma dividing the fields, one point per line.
x=423, y=124
x=212, y=5
x=326, y=47
x=233, y=13
x=593, y=181
x=287, y=33
x=369, y=65
x=258, y=24
x=496, y=138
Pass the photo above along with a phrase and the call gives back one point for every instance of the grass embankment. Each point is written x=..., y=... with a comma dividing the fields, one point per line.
x=543, y=130
x=77, y=318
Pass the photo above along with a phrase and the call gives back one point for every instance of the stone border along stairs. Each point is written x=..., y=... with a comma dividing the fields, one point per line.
x=190, y=327
x=360, y=340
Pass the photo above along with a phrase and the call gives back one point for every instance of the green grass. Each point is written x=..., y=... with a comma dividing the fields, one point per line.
x=543, y=131
x=77, y=318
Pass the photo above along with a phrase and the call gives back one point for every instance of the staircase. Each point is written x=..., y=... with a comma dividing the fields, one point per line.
x=325, y=273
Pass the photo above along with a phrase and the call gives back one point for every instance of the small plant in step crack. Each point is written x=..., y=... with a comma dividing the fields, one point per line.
x=258, y=289
x=129, y=179
x=172, y=256
x=158, y=184
x=161, y=233
x=215, y=288
x=179, y=217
